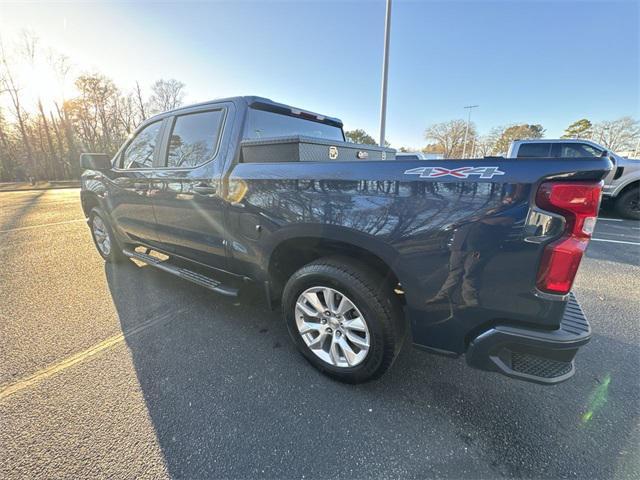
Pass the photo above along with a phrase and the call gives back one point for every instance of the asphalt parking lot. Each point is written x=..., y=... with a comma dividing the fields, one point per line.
x=121, y=371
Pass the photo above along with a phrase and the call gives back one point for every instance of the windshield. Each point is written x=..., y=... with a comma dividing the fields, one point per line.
x=264, y=124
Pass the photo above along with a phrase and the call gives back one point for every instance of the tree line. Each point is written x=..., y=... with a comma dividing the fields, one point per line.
x=45, y=143
x=448, y=138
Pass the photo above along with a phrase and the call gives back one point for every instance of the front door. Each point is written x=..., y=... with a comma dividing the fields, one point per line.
x=130, y=180
x=187, y=197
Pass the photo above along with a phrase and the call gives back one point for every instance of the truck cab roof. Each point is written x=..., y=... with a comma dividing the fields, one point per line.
x=260, y=103
x=558, y=140
x=515, y=145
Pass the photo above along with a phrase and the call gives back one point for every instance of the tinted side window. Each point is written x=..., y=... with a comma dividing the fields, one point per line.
x=578, y=150
x=194, y=138
x=529, y=150
x=139, y=153
x=592, y=151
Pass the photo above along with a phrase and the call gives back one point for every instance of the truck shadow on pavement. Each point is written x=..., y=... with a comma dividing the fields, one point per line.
x=229, y=396
x=20, y=212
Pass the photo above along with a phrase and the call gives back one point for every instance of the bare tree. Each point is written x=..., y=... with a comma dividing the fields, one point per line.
x=69, y=135
x=9, y=86
x=45, y=144
x=61, y=66
x=95, y=112
x=448, y=137
x=488, y=144
x=125, y=110
x=28, y=45
x=616, y=135
x=65, y=143
x=484, y=146
x=167, y=95
x=7, y=157
x=51, y=157
x=140, y=103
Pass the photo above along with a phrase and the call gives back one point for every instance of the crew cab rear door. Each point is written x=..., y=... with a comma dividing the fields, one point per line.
x=187, y=193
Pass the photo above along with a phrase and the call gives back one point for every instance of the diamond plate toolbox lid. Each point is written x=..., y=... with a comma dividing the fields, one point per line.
x=308, y=149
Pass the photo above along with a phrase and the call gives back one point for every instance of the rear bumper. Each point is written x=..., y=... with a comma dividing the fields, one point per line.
x=541, y=356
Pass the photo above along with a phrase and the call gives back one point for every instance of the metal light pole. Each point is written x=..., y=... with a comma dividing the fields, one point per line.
x=385, y=73
x=466, y=132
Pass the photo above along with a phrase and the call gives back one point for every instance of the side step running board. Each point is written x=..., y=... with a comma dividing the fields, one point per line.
x=192, y=276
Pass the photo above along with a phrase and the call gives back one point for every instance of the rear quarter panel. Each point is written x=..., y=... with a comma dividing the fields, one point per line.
x=455, y=244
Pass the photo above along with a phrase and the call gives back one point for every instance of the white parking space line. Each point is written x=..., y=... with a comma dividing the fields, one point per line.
x=618, y=234
x=620, y=227
x=42, y=225
x=600, y=219
x=614, y=241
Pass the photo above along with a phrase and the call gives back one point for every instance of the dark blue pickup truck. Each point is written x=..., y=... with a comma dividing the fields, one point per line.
x=363, y=252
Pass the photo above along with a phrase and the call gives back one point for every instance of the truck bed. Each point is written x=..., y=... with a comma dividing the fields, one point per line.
x=413, y=214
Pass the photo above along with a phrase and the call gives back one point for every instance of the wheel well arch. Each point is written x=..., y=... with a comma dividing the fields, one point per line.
x=89, y=201
x=292, y=254
x=630, y=186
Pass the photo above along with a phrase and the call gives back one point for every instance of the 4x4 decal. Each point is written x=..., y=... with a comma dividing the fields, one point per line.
x=461, y=172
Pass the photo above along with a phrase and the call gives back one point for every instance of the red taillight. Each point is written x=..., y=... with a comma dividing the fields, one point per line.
x=578, y=203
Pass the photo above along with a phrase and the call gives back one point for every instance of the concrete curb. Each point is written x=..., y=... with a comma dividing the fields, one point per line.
x=54, y=187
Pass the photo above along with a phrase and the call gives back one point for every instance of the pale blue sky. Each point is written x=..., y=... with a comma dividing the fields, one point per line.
x=548, y=62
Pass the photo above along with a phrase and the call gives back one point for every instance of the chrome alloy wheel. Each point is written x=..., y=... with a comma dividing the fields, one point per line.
x=332, y=326
x=101, y=234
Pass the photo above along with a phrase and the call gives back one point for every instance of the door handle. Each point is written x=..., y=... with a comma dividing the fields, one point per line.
x=204, y=190
x=140, y=186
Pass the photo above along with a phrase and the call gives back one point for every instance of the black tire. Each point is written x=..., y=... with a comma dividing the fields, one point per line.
x=370, y=294
x=114, y=254
x=628, y=204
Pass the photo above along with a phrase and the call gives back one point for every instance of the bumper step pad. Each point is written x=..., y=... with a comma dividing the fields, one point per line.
x=540, y=356
x=539, y=367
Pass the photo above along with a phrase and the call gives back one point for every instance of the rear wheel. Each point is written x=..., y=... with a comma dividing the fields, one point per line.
x=343, y=318
x=103, y=237
x=628, y=204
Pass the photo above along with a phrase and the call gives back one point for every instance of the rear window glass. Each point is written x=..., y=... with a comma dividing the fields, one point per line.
x=264, y=124
x=529, y=150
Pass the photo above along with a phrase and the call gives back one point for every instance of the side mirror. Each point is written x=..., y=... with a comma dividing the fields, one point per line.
x=95, y=161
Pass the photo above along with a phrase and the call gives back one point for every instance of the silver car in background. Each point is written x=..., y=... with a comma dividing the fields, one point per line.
x=418, y=156
x=622, y=185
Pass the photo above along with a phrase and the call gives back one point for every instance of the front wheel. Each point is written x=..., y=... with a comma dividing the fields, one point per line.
x=628, y=204
x=343, y=318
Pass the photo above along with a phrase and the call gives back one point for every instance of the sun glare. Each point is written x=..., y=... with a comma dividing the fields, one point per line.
x=42, y=84
x=38, y=81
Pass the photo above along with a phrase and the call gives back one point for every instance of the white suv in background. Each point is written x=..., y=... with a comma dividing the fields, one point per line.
x=622, y=185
